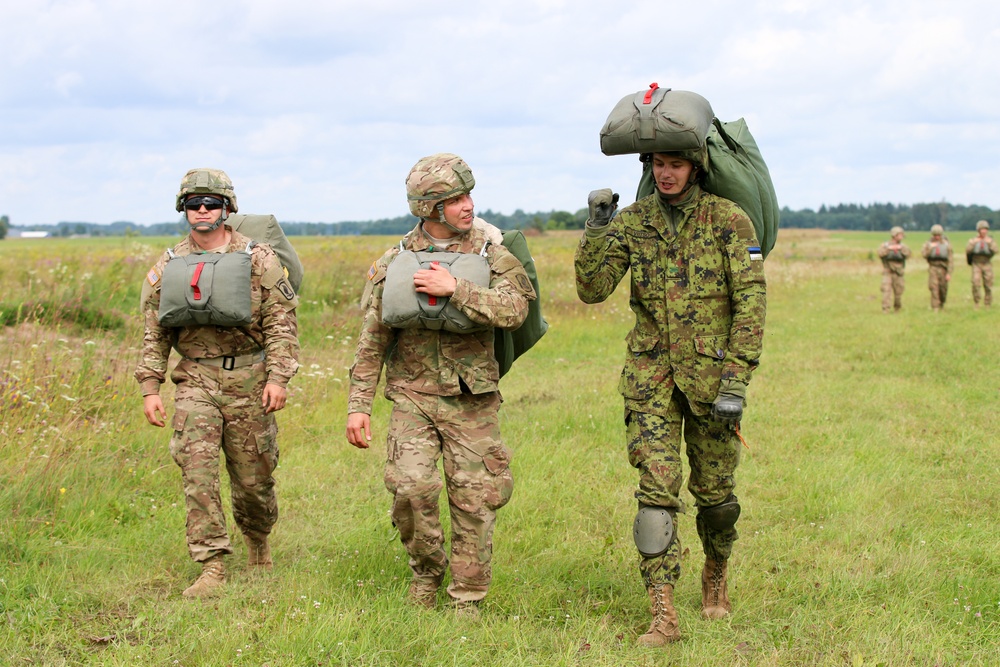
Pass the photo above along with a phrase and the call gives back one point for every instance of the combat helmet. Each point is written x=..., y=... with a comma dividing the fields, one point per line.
x=982, y=224
x=937, y=229
x=696, y=156
x=435, y=179
x=895, y=230
x=207, y=182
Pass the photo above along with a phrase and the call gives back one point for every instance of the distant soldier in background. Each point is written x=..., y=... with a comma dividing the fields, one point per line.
x=940, y=264
x=979, y=253
x=894, y=254
x=432, y=327
x=224, y=304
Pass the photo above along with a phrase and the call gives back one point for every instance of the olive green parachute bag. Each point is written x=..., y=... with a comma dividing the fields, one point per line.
x=736, y=171
x=509, y=345
x=265, y=229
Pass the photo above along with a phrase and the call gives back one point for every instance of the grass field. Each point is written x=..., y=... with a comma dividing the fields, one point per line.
x=869, y=490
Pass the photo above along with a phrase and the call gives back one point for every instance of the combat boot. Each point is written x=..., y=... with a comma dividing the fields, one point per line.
x=423, y=590
x=664, y=628
x=466, y=609
x=258, y=551
x=213, y=576
x=714, y=593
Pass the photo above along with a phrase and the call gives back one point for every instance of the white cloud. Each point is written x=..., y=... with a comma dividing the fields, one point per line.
x=317, y=110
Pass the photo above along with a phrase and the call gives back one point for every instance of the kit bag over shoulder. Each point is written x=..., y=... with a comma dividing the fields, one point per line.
x=736, y=171
x=509, y=345
x=657, y=120
x=265, y=229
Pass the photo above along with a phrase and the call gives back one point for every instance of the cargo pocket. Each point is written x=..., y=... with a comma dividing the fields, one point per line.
x=641, y=366
x=499, y=484
x=707, y=367
x=178, y=449
x=267, y=450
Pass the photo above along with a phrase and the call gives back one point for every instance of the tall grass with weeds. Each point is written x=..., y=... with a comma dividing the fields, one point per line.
x=869, y=488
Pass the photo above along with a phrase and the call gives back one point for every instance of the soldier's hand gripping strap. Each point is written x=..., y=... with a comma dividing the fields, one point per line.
x=722, y=516
x=653, y=530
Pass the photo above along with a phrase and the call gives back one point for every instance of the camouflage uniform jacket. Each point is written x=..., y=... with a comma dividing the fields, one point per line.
x=274, y=328
x=932, y=249
x=980, y=250
x=697, y=291
x=440, y=362
x=892, y=259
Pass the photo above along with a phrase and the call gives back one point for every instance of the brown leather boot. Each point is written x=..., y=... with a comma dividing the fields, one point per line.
x=423, y=590
x=258, y=551
x=213, y=576
x=664, y=628
x=714, y=594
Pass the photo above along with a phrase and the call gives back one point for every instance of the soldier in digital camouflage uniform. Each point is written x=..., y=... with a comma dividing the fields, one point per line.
x=699, y=298
x=893, y=254
x=229, y=381
x=444, y=389
x=979, y=252
x=940, y=264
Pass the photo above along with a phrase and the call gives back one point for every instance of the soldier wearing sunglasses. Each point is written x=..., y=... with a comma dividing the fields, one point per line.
x=222, y=301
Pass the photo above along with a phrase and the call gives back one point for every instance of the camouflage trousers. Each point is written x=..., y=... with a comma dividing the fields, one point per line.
x=937, y=283
x=218, y=412
x=463, y=431
x=713, y=453
x=893, y=285
x=982, y=278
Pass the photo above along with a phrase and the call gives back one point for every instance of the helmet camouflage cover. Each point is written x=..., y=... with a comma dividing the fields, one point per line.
x=207, y=182
x=895, y=230
x=937, y=229
x=697, y=156
x=435, y=179
x=982, y=224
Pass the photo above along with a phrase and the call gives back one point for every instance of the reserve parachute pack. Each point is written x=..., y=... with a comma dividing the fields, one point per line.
x=663, y=120
x=265, y=229
x=403, y=307
x=404, y=310
x=206, y=288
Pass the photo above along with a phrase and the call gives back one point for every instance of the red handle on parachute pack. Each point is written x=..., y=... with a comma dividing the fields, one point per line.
x=649, y=93
x=194, y=280
x=431, y=299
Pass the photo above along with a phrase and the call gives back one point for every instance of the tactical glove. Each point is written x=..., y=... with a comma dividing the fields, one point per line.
x=728, y=405
x=602, y=205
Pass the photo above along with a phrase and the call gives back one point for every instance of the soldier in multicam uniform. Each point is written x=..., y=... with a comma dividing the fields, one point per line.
x=230, y=379
x=699, y=298
x=979, y=251
x=894, y=254
x=443, y=385
x=940, y=264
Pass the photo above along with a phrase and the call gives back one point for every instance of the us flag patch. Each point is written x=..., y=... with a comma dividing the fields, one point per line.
x=755, y=253
x=152, y=277
x=372, y=271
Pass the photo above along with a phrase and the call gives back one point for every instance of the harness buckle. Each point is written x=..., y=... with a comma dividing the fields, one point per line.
x=228, y=363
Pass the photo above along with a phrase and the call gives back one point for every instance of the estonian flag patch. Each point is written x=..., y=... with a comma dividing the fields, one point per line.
x=755, y=253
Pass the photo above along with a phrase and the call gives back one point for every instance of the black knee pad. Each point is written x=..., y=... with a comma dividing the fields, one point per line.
x=722, y=516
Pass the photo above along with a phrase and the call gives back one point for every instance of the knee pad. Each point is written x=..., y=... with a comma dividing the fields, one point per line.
x=722, y=516
x=653, y=530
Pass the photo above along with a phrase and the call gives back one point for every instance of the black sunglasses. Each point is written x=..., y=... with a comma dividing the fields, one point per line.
x=210, y=203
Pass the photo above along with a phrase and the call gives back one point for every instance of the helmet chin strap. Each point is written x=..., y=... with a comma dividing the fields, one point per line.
x=205, y=227
x=441, y=220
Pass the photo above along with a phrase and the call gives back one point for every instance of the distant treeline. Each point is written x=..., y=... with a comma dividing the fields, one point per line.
x=873, y=217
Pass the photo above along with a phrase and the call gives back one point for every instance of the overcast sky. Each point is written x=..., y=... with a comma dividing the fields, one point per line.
x=317, y=110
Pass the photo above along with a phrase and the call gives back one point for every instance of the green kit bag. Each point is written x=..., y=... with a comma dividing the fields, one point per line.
x=657, y=120
x=509, y=345
x=736, y=171
x=265, y=229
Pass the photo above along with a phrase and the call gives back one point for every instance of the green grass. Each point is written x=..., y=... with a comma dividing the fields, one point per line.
x=869, y=489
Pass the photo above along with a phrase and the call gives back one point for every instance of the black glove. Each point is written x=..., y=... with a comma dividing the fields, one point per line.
x=602, y=205
x=728, y=407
